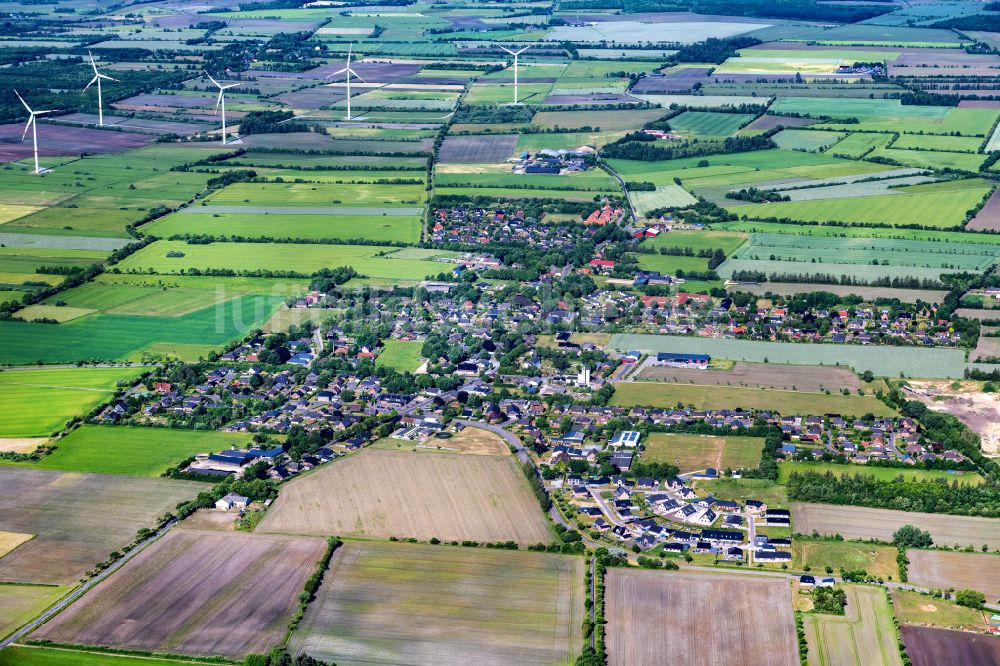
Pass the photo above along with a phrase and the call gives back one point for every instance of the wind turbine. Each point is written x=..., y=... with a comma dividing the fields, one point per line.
x=222, y=101
x=97, y=79
x=515, y=54
x=34, y=127
x=349, y=72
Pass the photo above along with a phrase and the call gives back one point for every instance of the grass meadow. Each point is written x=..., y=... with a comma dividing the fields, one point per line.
x=38, y=402
x=131, y=451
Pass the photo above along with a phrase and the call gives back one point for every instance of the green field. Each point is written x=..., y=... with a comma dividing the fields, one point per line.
x=859, y=144
x=650, y=394
x=274, y=256
x=803, y=139
x=938, y=209
x=306, y=194
x=850, y=555
x=117, y=337
x=709, y=123
x=916, y=608
x=699, y=240
x=670, y=195
x=696, y=452
x=393, y=228
x=865, y=634
x=132, y=451
x=400, y=355
x=39, y=402
x=20, y=604
x=46, y=656
x=859, y=232
x=817, y=250
x=667, y=264
x=883, y=473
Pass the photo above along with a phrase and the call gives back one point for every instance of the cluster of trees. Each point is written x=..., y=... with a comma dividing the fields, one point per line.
x=642, y=147
x=829, y=600
x=903, y=282
x=493, y=115
x=934, y=496
x=713, y=49
x=270, y=122
x=757, y=195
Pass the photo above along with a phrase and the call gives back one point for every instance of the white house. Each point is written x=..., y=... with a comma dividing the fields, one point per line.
x=232, y=501
x=627, y=438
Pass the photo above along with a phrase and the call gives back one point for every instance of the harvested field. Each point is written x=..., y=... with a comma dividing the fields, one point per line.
x=139, y=125
x=680, y=80
x=418, y=604
x=791, y=288
x=477, y=149
x=22, y=603
x=933, y=647
x=78, y=519
x=65, y=140
x=864, y=635
x=988, y=217
x=760, y=375
x=855, y=522
x=215, y=594
x=698, y=618
x=941, y=569
x=412, y=494
x=11, y=540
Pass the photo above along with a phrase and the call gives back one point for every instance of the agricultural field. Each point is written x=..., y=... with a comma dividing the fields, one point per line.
x=696, y=452
x=882, y=473
x=759, y=375
x=693, y=617
x=131, y=451
x=942, y=570
x=888, y=362
x=410, y=494
x=77, y=519
x=189, y=572
x=272, y=256
x=929, y=647
x=865, y=634
x=21, y=603
x=875, y=559
x=854, y=522
x=39, y=402
x=407, y=603
x=33, y=655
x=656, y=394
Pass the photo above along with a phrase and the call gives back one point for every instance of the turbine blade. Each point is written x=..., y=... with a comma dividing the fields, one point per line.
x=231, y=85
x=210, y=78
x=23, y=102
x=92, y=82
x=524, y=49
x=107, y=78
x=339, y=71
x=27, y=126
x=219, y=100
x=92, y=63
x=38, y=113
x=507, y=50
x=351, y=71
x=350, y=51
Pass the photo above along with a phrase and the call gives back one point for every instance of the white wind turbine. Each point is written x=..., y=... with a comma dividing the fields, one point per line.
x=97, y=79
x=34, y=127
x=515, y=54
x=221, y=101
x=349, y=72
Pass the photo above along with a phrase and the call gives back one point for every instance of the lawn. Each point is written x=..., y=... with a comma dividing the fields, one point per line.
x=767, y=491
x=919, y=609
x=882, y=473
x=667, y=264
x=650, y=394
x=399, y=355
x=132, y=451
x=850, y=555
x=275, y=256
x=699, y=240
x=696, y=452
x=39, y=402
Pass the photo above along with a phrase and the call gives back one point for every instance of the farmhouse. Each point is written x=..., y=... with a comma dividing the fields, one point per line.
x=232, y=501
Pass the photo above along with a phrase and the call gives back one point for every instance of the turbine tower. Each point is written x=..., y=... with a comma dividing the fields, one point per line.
x=515, y=54
x=34, y=127
x=97, y=79
x=349, y=73
x=221, y=101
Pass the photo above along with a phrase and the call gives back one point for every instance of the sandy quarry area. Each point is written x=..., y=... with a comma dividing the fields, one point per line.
x=980, y=411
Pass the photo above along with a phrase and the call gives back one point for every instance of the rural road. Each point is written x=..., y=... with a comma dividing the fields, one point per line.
x=621, y=182
x=83, y=589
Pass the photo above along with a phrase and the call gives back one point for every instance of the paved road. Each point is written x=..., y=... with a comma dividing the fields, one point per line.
x=83, y=589
x=628, y=203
